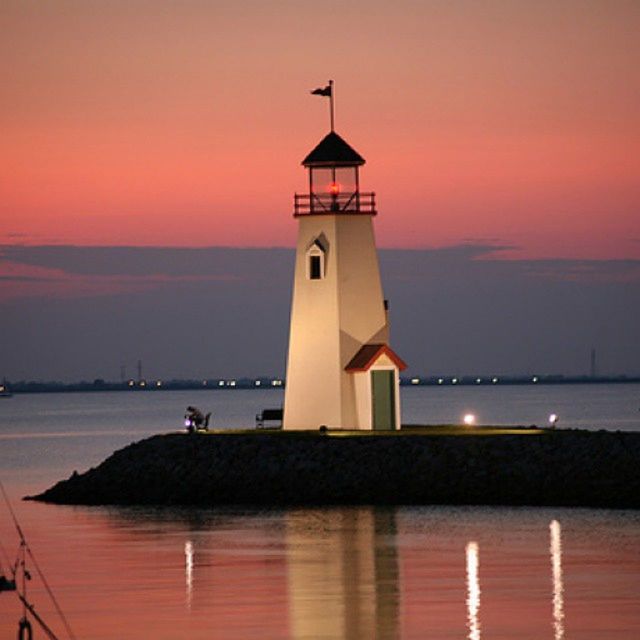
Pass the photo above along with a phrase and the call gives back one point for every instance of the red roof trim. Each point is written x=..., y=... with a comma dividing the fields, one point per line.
x=369, y=353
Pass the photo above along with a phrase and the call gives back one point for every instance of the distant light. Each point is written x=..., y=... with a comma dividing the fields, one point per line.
x=232, y=383
x=454, y=381
x=221, y=383
x=334, y=188
x=534, y=379
x=258, y=383
x=131, y=383
x=494, y=380
x=478, y=380
x=469, y=419
x=440, y=380
x=415, y=380
x=204, y=383
x=158, y=383
x=143, y=383
x=553, y=418
x=276, y=383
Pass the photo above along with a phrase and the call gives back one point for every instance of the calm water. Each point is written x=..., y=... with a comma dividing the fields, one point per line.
x=436, y=572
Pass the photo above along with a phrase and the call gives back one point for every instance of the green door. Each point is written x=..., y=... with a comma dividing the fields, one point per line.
x=383, y=404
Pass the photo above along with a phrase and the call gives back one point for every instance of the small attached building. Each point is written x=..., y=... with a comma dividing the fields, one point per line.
x=376, y=379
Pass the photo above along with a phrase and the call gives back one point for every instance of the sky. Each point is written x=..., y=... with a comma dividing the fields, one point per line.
x=503, y=136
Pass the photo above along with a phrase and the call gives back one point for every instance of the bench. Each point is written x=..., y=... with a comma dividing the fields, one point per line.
x=268, y=415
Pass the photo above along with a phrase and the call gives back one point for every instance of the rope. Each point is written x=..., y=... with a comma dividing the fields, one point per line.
x=13, y=515
x=24, y=601
x=50, y=592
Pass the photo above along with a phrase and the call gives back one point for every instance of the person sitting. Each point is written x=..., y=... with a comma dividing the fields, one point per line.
x=196, y=419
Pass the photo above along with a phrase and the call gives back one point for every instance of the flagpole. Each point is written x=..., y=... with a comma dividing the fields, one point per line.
x=331, y=104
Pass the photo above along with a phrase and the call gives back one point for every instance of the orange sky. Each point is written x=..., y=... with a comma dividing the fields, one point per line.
x=183, y=124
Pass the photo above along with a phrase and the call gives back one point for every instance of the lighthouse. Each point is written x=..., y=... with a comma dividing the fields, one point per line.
x=341, y=371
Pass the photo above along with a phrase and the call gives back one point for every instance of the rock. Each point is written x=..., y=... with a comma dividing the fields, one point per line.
x=555, y=468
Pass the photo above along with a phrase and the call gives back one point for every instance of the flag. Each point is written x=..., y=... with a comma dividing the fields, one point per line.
x=322, y=92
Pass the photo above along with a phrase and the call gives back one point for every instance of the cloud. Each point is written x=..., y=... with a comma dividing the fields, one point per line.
x=146, y=261
x=602, y=271
x=41, y=277
x=80, y=312
x=67, y=271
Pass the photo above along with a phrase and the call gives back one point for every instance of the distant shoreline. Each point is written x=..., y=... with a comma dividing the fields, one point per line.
x=275, y=383
x=449, y=465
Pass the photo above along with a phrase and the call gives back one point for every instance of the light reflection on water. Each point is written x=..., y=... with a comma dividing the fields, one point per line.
x=555, y=547
x=188, y=569
x=473, y=591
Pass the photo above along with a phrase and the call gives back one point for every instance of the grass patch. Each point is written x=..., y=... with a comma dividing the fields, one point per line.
x=407, y=430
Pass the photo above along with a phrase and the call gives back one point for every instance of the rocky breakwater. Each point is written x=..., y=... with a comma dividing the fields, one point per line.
x=569, y=468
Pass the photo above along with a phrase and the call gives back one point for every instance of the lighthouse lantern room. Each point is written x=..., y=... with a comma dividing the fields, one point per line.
x=341, y=372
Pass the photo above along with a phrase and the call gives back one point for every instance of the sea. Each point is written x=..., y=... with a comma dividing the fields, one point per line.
x=312, y=573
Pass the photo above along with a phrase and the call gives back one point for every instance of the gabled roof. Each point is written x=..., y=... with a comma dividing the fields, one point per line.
x=333, y=151
x=369, y=353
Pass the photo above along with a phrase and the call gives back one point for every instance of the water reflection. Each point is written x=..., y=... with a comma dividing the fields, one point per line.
x=473, y=591
x=334, y=573
x=188, y=569
x=555, y=547
x=343, y=574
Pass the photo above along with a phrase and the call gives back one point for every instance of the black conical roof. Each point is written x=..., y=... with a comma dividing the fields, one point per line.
x=333, y=151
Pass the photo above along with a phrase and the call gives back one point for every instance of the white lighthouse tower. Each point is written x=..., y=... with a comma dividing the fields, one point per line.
x=341, y=372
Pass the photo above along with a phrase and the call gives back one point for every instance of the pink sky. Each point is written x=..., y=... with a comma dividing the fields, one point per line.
x=183, y=124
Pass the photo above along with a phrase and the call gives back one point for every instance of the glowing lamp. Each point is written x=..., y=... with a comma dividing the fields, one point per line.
x=334, y=188
x=553, y=418
x=469, y=419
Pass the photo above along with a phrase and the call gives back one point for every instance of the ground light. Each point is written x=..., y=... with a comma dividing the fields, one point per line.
x=553, y=418
x=469, y=419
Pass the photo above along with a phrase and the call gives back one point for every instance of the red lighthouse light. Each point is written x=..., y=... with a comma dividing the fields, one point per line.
x=334, y=188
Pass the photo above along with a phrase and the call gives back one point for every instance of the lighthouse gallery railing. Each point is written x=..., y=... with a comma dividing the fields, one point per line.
x=356, y=202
